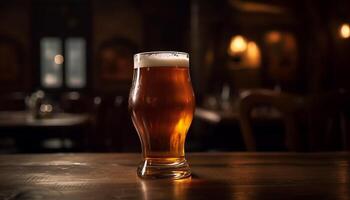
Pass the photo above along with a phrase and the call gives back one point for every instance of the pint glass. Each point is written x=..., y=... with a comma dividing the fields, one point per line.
x=161, y=103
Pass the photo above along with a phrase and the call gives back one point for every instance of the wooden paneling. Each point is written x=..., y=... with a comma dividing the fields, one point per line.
x=114, y=20
x=15, y=42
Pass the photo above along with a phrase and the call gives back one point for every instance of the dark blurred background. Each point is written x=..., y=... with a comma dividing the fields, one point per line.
x=268, y=75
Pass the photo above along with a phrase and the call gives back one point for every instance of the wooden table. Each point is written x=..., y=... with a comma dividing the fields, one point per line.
x=30, y=134
x=216, y=176
x=25, y=119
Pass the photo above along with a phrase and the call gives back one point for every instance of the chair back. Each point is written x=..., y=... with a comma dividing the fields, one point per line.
x=288, y=105
x=328, y=121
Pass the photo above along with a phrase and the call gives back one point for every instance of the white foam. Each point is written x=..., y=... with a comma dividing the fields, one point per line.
x=161, y=59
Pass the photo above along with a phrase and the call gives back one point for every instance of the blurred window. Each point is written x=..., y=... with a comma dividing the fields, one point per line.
x=59, y=71
x=75, y=62
x=51, y=62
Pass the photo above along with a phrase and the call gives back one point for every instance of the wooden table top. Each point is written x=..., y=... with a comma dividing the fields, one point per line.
x=240, y=176
x=25, y=119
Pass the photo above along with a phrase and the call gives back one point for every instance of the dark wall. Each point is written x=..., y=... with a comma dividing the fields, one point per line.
x=16, y=67
x=151, y=25
x=114, y=20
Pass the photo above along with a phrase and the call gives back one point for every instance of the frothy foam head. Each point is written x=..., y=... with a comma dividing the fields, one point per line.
x=161, y=59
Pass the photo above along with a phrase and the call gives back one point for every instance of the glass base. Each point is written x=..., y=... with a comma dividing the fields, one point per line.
x=160, y=168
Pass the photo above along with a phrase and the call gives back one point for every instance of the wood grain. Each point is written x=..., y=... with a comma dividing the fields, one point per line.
x=215, y=176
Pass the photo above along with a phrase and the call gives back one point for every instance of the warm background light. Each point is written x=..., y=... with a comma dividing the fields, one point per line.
x=345, y=31
x=248, y=51
x=58, y=59
x=273, y=37
x=237, y=45
x=253, y=55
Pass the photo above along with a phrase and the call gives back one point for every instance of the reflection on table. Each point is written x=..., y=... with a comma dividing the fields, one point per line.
x=249, y=176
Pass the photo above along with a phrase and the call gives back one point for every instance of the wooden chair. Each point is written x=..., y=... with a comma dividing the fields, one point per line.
x=288, y=105
x=328, y=121
x=113, y=130
x=77, y=102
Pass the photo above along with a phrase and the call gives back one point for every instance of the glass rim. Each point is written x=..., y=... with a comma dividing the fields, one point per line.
x=146, y=53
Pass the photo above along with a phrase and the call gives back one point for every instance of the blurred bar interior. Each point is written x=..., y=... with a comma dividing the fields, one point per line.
x=268, y=75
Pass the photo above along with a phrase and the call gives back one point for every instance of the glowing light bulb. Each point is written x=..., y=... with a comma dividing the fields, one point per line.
x=237, y=45
x=344, y=31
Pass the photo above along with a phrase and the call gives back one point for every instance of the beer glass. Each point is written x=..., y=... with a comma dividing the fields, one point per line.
x=161, y=104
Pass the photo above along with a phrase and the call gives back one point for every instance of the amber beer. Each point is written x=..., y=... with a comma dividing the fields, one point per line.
x=162, y=103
